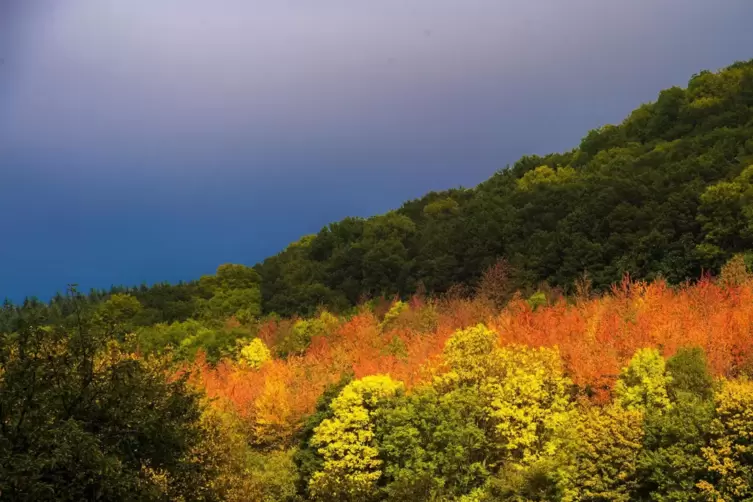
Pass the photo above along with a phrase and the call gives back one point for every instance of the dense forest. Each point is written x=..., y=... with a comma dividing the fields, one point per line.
x=665, y=193
x=579, y=327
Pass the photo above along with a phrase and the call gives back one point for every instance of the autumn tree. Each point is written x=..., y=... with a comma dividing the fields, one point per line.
x=671, y=463
x=729, y=455
x=351, y=466
x=602, y=455
x=643, y=383
x=255, y=354
x=436, y=445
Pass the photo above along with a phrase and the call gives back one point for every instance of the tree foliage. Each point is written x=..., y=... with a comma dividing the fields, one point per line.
x=602, y=455
x=83, y=418
x=351, y=465
x=643, y=383
x=729, y=456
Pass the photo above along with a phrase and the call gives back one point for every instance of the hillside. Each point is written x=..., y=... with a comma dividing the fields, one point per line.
x=662, y=194
x=579, y=327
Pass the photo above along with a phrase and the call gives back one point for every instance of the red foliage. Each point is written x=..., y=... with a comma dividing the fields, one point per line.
x=596, y=338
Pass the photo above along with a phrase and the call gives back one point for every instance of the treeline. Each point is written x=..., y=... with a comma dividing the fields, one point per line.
x=234, y=290
x=666, y=193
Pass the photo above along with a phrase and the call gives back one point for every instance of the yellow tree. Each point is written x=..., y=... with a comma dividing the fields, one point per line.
x=601, y=455
x=729, y=456
x=528, y=400
x=525, y=389
x=255, y=354
x=351, y=466
x=643, y=383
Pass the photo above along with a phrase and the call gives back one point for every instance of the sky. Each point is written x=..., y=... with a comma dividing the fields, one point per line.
x=152, y=140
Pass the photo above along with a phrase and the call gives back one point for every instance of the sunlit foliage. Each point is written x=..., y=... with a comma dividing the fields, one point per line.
x=602, y=455
x=255, y=354
x=729, y=456
x=351, y=465
x=643, y=383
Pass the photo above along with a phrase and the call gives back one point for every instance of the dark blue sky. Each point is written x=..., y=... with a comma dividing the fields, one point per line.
x=146, y=140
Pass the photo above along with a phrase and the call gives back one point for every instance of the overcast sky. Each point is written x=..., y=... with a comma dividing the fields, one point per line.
x=151, y=140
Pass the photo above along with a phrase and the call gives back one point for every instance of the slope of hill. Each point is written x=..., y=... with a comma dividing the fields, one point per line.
x=665, y=193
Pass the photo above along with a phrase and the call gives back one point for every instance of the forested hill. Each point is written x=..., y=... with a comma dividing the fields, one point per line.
x=667, y=192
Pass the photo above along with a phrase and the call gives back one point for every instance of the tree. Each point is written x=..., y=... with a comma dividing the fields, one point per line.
x=117, y=314
x=244, y=304
x=435, y=446
x=671, y=463
x=83, y=418
x=529, y=401
x=726, y=216
x=351, y=465
x=525, y=389
x=235, y=293
x=735, y=272
x=729, y=455
x=495, y=283
x=602, y=455
x=689, y=374
x=469, y=354
x=255, y=354
x=643, y=383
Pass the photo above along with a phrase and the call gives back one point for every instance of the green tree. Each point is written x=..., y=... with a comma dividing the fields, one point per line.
x=117, y=314
x=726, y=216
x=671, y=463
x=689, y=374
x=235, y=292
x=436, y=446
x=82, y=418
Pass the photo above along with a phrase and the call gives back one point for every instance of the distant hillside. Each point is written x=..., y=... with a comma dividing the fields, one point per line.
x=665, y=193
